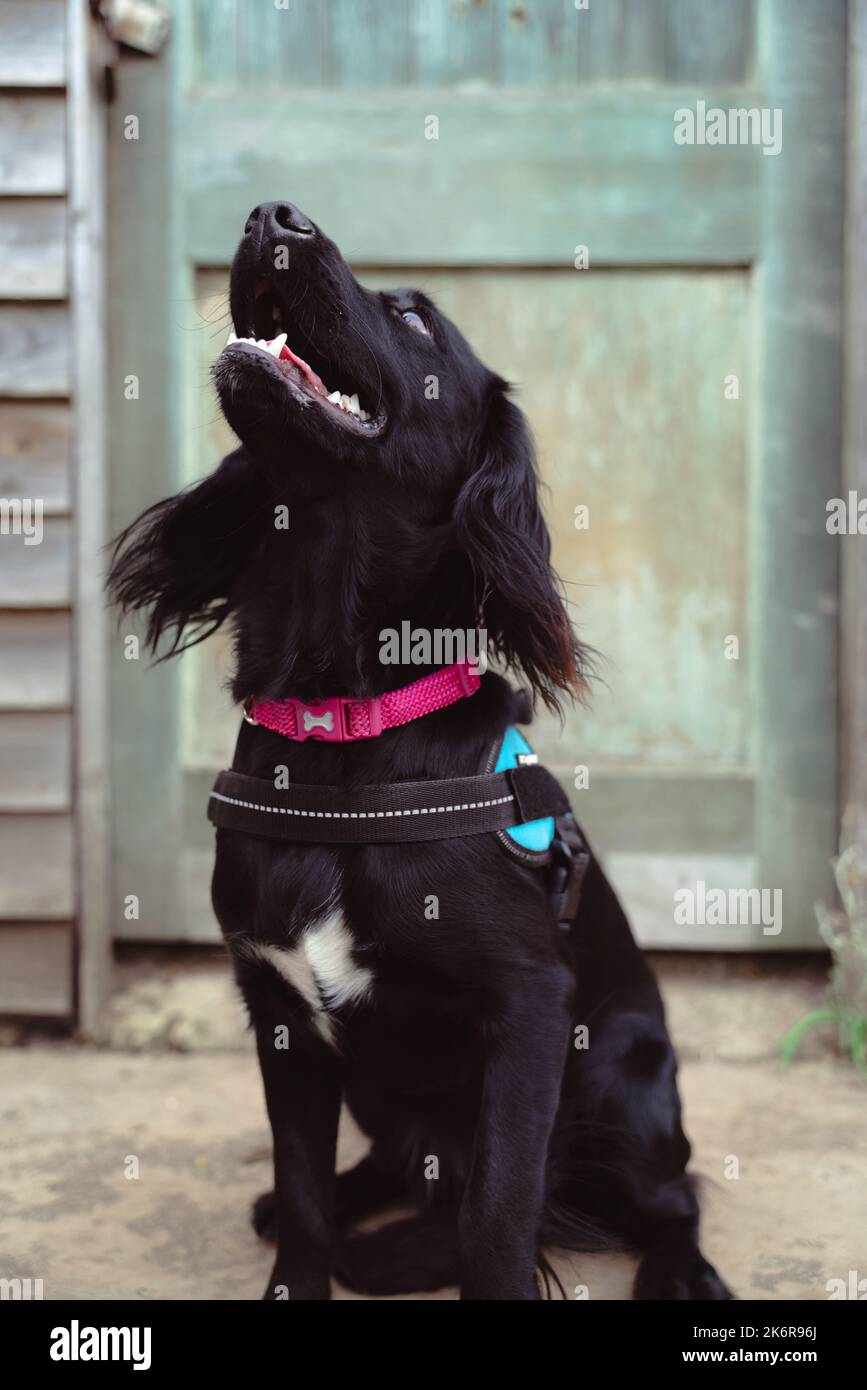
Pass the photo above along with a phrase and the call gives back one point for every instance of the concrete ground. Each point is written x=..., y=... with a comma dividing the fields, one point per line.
x=782, y=1152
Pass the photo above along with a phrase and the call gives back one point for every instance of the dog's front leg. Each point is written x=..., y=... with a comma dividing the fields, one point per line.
x=302, y=1094
x=502, y=1207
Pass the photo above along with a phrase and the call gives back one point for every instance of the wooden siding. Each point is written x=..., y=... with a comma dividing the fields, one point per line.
x=32, y=47
x=35, y=443
x=34, y=350
x=35, y=672
x=37, y=832
x=36, y=969
x=32, y=248
x=33, y=144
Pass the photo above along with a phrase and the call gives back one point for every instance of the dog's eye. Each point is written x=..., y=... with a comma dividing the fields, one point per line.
x=414, y=321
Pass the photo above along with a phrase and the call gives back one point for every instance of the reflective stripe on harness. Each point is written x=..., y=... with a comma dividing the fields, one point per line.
x=390, y=813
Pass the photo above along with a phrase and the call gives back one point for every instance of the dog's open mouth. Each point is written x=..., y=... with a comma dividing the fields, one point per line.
x=344, y=401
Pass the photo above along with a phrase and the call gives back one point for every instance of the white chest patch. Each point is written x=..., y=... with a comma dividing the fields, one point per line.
x=320, y=966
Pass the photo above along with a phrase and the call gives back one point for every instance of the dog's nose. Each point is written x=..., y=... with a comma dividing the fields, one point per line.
x=271, y=221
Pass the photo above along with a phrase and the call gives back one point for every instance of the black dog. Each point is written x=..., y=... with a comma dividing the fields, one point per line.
x=452, y=1040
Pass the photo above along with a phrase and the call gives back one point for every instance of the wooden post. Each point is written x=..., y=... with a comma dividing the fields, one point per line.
x=86, y=137
x=853, y=612
x=795, y=562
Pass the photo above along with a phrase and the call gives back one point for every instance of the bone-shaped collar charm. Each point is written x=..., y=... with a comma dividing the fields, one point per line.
x=318, y=721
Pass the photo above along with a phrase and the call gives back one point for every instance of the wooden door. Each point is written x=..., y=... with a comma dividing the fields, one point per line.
x=683, y=387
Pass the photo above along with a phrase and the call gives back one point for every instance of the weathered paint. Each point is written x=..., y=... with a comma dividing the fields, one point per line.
x=695, y=252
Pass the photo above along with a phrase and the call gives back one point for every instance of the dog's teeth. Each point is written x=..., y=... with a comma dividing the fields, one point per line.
x=273, y=346
x=350, y=405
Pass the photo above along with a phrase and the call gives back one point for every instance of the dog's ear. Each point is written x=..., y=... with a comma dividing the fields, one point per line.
x=501, y=530
x=182, y=557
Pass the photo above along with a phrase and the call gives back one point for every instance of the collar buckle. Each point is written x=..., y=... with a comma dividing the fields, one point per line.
x=324, y=720
x=328, y=720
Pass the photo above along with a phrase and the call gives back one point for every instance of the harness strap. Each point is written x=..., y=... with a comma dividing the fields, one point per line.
x=390, y=813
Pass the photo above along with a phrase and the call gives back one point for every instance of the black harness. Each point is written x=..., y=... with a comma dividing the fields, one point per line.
x=402, y=812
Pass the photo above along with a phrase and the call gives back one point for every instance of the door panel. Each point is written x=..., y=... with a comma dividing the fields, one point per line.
x=418, y=43
x=622, y=376
x=708, y=266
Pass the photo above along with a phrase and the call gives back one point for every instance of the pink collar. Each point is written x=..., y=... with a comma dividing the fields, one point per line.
x=343, y=719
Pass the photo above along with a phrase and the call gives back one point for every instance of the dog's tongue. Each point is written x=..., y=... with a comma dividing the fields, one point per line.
x=287, y=355
x=277, y=348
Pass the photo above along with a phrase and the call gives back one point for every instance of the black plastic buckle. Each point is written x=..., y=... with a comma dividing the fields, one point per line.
x=570, y=857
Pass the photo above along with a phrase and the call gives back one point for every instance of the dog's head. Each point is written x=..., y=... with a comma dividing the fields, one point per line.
x=320, y=372
x=370, y=404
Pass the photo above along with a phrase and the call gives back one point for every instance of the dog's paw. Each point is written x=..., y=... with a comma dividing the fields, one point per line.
x=263, y=1216
x=679, y=1275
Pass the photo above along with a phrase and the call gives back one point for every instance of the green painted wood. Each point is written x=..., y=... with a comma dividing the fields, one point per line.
x=853, y=610
x=539, y=43
x=643, y=812
x=798, y=466
x=212, y=47
x=370, y=43
x=646, y=885
x=285, y=47
x=572, y=115
x=144, y=442
x=709, y=42
x=455, y=45
x=622, y=41
x=347, y=44
x=591, y=168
